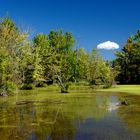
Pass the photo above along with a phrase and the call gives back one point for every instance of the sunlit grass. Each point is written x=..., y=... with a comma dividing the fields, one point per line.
x=131, y=89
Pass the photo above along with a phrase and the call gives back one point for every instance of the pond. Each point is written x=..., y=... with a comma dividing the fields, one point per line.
x=79, y=115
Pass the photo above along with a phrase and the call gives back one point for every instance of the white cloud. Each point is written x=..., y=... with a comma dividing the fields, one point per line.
x=108, y=45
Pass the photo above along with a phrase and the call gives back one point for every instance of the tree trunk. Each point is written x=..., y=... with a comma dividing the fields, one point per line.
x=64, y=88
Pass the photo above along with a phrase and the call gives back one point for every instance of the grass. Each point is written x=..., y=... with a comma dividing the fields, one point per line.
x=131, y=89
x=53, y=92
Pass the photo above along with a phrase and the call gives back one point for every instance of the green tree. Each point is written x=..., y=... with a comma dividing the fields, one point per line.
x=82, y=64
x=98, y=70
x=40, y=52
x=10, y=41
x=61, y=47
x=27, y=66
x=128, y=60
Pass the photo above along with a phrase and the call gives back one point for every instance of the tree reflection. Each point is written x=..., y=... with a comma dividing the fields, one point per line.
x=57, y=121
x=30, y=121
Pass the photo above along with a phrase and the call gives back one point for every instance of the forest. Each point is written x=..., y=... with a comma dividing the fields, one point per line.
x=54, y=59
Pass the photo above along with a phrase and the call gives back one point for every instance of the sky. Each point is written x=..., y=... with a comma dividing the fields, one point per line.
x=92, y=22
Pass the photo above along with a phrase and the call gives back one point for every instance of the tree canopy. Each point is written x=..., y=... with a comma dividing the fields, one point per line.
x=128, y=61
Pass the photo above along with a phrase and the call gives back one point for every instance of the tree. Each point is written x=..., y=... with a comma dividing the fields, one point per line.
x=98, y=70
x=40, y=52
x=82, y=62
x=26, y=67
x=128, y=60
x=10, y=41
x=61, y=47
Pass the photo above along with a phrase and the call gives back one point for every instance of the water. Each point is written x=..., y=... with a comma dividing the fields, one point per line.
x=85, y=116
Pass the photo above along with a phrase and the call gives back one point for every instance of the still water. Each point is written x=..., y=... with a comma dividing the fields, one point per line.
x=92, y=116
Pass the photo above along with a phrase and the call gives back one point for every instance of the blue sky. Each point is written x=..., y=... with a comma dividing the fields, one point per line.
x=91, y=21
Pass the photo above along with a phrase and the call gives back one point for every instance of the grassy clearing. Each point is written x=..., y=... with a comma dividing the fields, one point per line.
x=131, y=89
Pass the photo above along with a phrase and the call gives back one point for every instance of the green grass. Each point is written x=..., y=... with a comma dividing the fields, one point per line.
x=131, y=89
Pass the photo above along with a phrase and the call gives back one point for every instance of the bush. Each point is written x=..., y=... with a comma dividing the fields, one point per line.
x=11, y=87
x=66, y=87
x=39, y=84
x=8, y=89
x=27, y=87
x=107, y=86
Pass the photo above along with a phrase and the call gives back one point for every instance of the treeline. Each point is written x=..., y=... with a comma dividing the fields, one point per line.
x=46, y=59
x=53, y=58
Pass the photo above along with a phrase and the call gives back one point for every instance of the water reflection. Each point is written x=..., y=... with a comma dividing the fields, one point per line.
x=131, y=114
x=97, y=116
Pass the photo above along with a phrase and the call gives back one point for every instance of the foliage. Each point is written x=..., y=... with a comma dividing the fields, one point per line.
x=46, y=59
x=98, y=70
x=128, y=60
x=11, y=39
